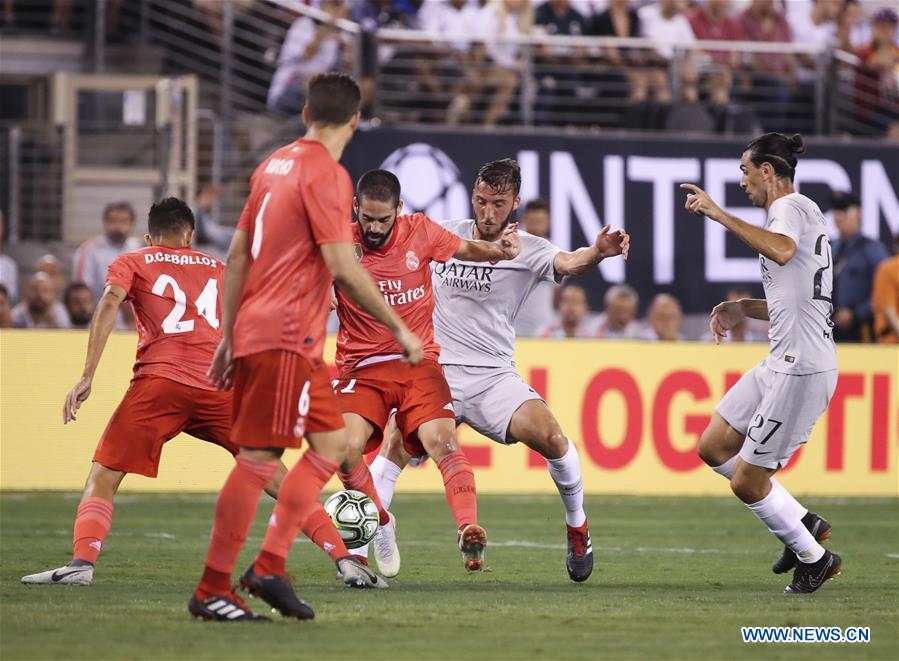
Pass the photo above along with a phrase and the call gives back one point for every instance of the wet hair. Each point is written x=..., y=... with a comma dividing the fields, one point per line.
x=379, y=185
x=170, y=217
x=502, y=175
x=777, y=149
x=537, y=204
x=332, y=98
x=119, y=206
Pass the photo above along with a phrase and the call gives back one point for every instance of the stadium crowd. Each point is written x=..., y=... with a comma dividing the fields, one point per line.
x=865, y=299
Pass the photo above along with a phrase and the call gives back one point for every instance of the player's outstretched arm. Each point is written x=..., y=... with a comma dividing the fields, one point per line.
x=779, y=248
x=102, y=324
x=507, y=247
x=238, y=268
x=607, y=244
x=358, y=285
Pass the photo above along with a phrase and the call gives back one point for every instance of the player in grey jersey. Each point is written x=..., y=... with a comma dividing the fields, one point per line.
x=771, y=410
x=476, y=305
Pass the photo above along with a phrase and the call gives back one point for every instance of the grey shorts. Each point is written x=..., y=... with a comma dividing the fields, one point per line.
x=486, y=398
x=776, y=412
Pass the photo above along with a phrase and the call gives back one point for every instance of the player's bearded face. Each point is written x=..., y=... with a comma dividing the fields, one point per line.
x=377, y=219
x=753, y=182
x=492, y=209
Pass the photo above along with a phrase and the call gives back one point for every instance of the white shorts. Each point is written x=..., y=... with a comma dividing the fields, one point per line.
x=486, y=398
x=776, y=412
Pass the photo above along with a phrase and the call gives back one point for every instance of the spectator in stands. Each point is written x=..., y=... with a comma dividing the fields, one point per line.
x=744, y=331
x=94, y=256
x=814, y=23
x=618, y=320
x=79, y=302
x=772, y=75
x=855, y=260
x=50, y=265
x=9, y=271
x=562, y=73
x=664, y=319
x=40, y=307
x=448, y=67
x=620, y=19
x=538, y=306
x=573, y=312
x=497, y=22
x=854, y=28
x=5, y=311
x=877, y=81
x=885, y=299
x=210, y=232
x=309, y=48
x=710, y=21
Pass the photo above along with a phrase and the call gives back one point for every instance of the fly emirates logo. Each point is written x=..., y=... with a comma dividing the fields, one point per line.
x=394, y=294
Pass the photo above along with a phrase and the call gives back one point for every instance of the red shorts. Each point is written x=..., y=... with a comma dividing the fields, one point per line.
x=419, y=394
x=155, y=410
x=279, y=397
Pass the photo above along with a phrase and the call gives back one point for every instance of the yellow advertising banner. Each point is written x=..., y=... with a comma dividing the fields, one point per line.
x=635, y=411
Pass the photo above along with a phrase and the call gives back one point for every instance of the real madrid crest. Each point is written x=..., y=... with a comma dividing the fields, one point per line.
x=412, y=262
x=357, y=250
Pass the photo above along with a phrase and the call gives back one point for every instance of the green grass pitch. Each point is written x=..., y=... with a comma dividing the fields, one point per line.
x=676, y=578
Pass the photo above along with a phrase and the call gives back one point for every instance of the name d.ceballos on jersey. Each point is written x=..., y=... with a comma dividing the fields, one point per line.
x=465, y=276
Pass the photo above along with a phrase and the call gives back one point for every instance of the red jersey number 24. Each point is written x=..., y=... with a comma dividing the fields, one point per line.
x=206, y=305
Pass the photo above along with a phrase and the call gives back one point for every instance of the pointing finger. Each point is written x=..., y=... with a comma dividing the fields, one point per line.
x=692, y=187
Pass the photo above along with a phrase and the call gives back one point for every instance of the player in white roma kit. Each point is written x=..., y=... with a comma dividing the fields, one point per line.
x=476, y=305
x=772, y=409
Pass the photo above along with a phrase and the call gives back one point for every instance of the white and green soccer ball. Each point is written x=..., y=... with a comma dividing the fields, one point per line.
x=355, y=516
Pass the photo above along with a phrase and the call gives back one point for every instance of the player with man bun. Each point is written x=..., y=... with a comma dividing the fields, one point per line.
x=770, y=412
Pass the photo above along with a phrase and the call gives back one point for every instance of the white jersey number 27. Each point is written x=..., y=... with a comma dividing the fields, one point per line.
x=206, y=305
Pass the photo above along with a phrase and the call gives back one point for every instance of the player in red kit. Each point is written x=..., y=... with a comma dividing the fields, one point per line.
x=175, y=293
x=398, y=251
x=292, y=243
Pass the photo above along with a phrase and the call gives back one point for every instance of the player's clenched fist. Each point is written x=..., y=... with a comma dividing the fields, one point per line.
x=510, y=241
x=412, y=349
x=699, y=202
x=610, y=244
x=221, y=371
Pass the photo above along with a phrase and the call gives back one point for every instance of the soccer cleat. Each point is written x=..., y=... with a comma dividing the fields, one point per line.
x=472, y=542
x=386, y=551
x=820, y=530
x=808, y=577
x=67, y=575
x=580, y=553
x=356, y=575
x=277, y=592
x=224, y=608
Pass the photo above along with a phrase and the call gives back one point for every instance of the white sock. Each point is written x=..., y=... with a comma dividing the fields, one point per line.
x=385, y=474
x=777, y=512
x=566, y=473
x=727, y=470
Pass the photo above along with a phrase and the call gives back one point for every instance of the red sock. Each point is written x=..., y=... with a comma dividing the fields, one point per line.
x=234, y=512
x=360, y=479
x=458, y=482
x=298, y=500
x=92, y=524
x=319, y=529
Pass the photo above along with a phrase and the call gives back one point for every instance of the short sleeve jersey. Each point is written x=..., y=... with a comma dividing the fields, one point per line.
x=300, y=198
x=477, y=303
x=176, y=294
x=401, y=270
x=799, y=292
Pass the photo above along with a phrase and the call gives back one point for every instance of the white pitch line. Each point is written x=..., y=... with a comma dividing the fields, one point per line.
x=893, y=555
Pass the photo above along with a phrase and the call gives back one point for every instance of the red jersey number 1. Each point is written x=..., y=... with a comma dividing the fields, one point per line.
x=206, y=305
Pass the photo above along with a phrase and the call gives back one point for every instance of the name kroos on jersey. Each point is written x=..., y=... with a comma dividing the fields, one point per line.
x=184, y=260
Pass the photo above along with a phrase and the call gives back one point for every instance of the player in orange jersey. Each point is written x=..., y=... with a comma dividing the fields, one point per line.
x=398, y=251
x=175, y=293
x=293, y=241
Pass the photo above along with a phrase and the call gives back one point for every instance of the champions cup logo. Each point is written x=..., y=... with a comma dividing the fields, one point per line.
x=430, y=181
x=357, y=250
x=412, y=262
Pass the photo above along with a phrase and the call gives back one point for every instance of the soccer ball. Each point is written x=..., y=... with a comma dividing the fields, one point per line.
x=430, y=181
x=354, y=515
